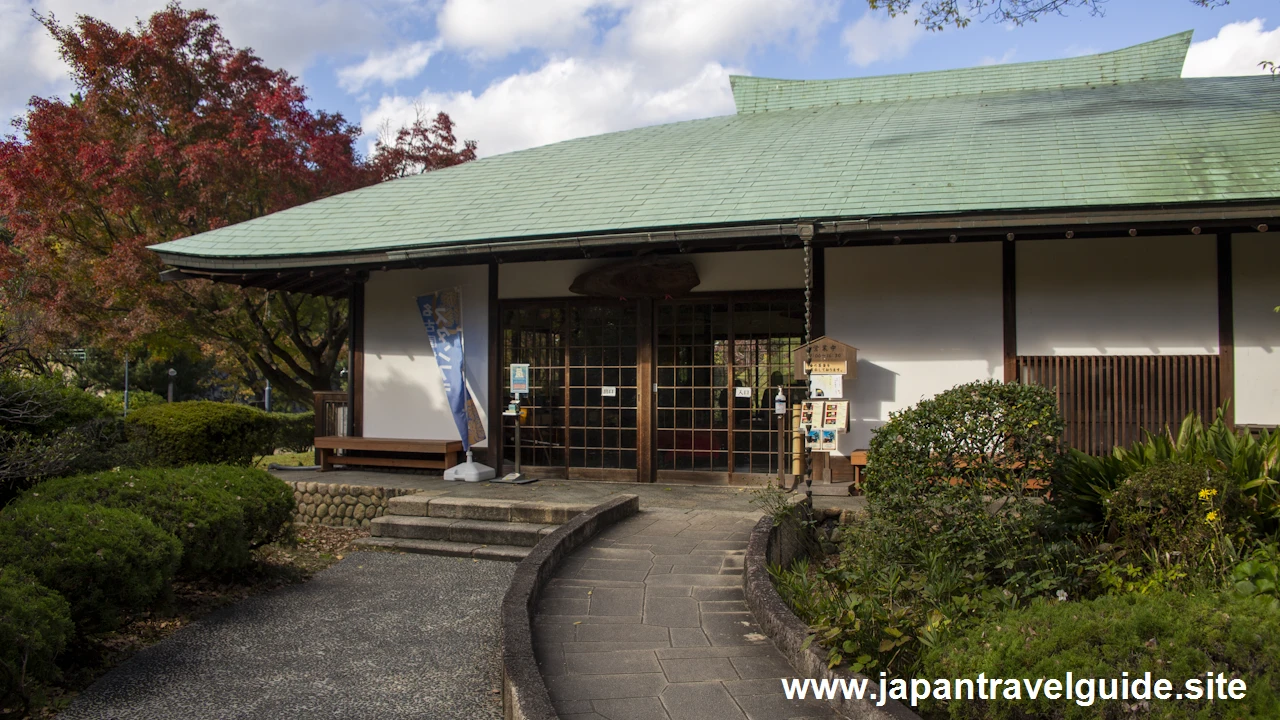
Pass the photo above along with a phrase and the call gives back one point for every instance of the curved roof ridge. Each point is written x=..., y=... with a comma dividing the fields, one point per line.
x=1155, y=60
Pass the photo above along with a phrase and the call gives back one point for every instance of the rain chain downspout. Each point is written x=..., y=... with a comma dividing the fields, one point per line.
x=808, y=338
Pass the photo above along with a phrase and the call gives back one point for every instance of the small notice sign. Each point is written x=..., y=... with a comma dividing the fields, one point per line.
x=520, y=378
x=825, y=356
x=742, y=392
x=609, y=391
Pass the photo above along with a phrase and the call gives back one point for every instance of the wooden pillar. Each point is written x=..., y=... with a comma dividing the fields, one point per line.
x=1009, y=291
x=496, y=397
x=355, y=360
x=1226, y=330
x=645, y=378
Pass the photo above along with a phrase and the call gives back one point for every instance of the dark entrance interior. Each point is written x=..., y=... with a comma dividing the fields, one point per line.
x=713, y=365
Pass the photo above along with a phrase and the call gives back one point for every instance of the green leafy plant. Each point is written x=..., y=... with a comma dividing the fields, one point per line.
x=1259, y=575
x=107, y=563
x=138, y=399
x=35, y=625
x=1170, y=635
x=188, y=433
x=191, y=504
x=1251, y=461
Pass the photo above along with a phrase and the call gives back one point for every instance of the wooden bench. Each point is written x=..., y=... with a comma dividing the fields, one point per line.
x=390, y=452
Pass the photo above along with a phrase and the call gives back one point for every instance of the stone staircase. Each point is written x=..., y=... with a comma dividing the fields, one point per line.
x=478, y=528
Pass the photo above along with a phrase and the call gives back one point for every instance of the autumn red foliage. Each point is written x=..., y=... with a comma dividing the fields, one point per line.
x=172, y=132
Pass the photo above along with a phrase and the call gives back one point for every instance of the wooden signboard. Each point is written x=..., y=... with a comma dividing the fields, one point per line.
x=826, y=357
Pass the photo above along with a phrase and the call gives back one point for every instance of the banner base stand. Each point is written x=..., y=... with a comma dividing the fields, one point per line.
x=469, y=471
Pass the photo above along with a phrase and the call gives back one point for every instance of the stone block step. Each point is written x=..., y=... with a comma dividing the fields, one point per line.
x=510, y=553
x=478, y=532
x=461, y=508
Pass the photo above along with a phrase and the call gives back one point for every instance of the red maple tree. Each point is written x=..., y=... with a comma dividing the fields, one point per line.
x=171, y=131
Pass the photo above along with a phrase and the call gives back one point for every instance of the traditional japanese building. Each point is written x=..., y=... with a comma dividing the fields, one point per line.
x=1098, y=224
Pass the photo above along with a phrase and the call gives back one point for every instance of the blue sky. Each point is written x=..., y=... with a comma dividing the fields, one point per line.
x=518, y=73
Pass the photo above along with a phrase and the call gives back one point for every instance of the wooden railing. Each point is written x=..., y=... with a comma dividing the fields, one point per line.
x=331, y=413
x=1108, y=400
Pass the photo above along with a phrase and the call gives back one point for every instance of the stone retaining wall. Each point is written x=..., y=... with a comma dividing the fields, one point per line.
x=341, y=505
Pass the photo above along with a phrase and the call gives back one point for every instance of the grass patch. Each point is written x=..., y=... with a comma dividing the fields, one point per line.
x=287, y=459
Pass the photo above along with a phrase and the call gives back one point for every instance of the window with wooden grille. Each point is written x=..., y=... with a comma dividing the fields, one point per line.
x=1109, y=400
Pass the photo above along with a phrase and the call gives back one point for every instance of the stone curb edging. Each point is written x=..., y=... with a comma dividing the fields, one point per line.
x=788, y=632
x=338, y=505
x=524, y=693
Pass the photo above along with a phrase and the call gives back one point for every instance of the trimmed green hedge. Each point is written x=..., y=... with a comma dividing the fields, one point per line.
x=295, y=432
x=188, y=433
x=106, y=562
x=1170, y=635
x=267, y=500
x=35, y=625
x=138, y=399
x=189, y=503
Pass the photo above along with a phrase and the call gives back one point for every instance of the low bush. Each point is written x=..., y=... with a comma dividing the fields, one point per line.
x=1181, y=514
x=267, y=501
x=106, y=562
x=1259, y=575
x=35, y=625
x=189, y=503
x=138, y=399
x=295, y=432
x=188, y=433
x=1170, y=635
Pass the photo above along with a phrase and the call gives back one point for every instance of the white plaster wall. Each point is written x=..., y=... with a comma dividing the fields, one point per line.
x=403, y=394
x=924, y=319
x=1256, y=269
x=719, y=272
x=1118, y=296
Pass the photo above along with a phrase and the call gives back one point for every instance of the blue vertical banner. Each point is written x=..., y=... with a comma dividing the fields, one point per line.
x=442, y=315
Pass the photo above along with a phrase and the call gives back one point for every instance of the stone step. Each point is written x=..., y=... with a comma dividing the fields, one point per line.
x=478, y=532
x=509, y=553
x=461, y=508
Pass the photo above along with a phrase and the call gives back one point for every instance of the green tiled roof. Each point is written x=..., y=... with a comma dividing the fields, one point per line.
x=1141, y=142
x=1157, y=60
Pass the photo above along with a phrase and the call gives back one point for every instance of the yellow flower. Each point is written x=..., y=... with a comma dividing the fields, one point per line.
x=1211, y=517
x=1207, y=493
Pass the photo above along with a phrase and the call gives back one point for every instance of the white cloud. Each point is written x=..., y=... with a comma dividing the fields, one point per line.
x=565, y=98
x=495, y=28
x=386, y=68
x=872, y=38
x=1237, y=50
x=1004, y=59
x=694, y=31
x=1077, y=50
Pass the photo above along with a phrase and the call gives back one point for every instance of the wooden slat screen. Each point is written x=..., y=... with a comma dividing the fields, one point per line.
x=1108, y=400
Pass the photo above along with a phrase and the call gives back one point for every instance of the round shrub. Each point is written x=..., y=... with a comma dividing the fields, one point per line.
x=267, y=501
x=188, y=433
x=1170, y=635
x=35, y=624
x=962, y=468
x=106, y=562
x=1178, y=509
x=205, y=517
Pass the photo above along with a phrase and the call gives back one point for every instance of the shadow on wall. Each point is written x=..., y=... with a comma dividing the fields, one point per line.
x=874, y=387
x=400, y=405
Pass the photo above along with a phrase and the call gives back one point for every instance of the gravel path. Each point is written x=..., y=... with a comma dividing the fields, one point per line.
x=379, y=635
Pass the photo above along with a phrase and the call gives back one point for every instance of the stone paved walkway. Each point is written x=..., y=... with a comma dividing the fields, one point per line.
x=648, y=622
